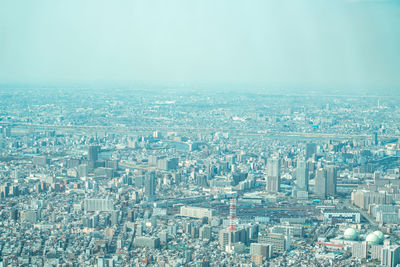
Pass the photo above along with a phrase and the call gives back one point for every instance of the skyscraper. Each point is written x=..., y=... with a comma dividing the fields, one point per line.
x=311, y=149
x=150, y=186
x=390, y=256
x=375, y=138
x=93, y=153
x=302, y=175
x=320, y=183
x=331, y=180
x=273, y=175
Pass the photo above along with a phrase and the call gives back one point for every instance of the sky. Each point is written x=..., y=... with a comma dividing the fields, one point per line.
x=273, y=43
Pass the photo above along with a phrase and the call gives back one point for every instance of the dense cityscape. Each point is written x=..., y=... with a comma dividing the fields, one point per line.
x=177, y=177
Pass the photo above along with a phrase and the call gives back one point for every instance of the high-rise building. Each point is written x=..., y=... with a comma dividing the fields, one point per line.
x=93, y=153
x=225, y=238
x=167, y=164
x=331, y=180
x=311, y=149
x=363, y=198
x=150, y=186
x=390, y=256
x=29, y=216
x=205, y=232
x=375, y=138
x=320, y=183
x=83, y=170
x=302, y=175
x=188, y=256
x=14, y=214
x=228, y=237
x=6, y=131
x=273, y=175
x=360, y=250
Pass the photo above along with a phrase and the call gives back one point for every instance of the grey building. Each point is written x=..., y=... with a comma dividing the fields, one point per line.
x=320, y=183
x=302, y=175
x=273, y=175
x=331, y=180
x=390, y=256
x=148, y=242
x=150, y=186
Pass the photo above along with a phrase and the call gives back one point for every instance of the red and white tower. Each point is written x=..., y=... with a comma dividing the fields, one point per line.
x=232, y=214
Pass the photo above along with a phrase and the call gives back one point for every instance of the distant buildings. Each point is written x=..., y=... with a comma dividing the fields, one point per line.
x=65, y=203
x=363, y=198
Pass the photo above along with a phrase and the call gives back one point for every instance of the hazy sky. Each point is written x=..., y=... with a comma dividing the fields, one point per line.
x=293, y=43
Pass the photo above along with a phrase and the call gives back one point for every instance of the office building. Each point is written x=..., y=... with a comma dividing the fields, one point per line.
x=147, y=242
x=341, y=215
x=363, y=198
x=93, y=153
x=91, y=205
x=273, y=176
x=320, y=183
x=311, y=150
x=302, y=175
x=359, y=250
x=29, y=216
x=83, y=170
x=259, y=249
x=150, y=186
x=390, y=256
x=196, y=212
x=167, y=164
x=279, y=242
x=331, y=180
x=205, y=232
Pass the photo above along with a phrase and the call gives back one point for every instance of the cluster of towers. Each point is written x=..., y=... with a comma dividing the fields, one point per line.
x=325, y=176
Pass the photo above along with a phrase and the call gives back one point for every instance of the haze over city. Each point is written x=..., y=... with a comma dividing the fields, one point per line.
x=297, y=45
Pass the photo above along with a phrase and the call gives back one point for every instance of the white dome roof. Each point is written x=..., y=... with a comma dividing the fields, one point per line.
x=350, y=234
x=380, y=236
x=372, y=239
